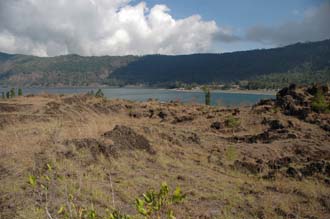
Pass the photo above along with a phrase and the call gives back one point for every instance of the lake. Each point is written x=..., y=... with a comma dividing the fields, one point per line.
x=143, y=94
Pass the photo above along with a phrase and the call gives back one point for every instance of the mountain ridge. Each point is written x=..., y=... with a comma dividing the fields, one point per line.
x=163, y=70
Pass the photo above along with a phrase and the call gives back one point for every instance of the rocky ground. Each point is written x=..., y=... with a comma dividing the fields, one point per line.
x=271, y=160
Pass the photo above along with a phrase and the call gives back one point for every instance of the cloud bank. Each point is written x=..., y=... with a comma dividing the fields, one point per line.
x=226, y=35
x=99, y=27
x=119, y=27
x=314, y=26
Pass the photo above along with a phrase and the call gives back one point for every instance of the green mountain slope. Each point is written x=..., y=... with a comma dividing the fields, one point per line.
x=208, y=68
x=74, y=70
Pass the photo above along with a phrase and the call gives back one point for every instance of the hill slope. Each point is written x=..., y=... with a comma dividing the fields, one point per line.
x=76, y=70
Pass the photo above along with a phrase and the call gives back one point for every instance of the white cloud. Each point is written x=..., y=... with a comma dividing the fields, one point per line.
x=99, y=27
x=314, y=26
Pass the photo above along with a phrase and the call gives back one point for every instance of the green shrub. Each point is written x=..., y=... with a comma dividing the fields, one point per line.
x=158, y=204
x=319, y=103
x=232, y=122
x=20, y=92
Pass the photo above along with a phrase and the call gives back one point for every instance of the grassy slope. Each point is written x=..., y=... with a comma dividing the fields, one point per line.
x=189, y=154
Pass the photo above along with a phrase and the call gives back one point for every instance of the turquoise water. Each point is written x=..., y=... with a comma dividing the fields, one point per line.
x=143, y=94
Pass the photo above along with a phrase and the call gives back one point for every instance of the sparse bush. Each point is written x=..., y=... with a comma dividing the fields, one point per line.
x=231, y=153
x=232, y=122
x=319, y=103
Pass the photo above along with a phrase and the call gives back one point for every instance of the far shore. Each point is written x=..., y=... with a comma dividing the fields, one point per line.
x=235, y=91
x=229, y=91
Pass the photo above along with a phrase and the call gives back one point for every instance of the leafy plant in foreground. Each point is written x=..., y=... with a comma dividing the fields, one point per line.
x=158, y=204
x=152, y=205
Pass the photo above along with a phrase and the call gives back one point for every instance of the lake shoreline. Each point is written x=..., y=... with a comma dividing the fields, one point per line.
x=226, y=97
x=230, y=91
x=234, y=91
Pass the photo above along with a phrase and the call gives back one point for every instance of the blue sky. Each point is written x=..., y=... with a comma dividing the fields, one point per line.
x=241, y=15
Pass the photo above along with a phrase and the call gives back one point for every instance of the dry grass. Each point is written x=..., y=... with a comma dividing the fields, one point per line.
x=202, y=168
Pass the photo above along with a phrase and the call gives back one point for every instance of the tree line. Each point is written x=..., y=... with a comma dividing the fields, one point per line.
x=11, y=93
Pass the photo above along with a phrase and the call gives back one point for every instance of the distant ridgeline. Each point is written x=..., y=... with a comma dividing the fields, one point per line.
x=266, y=68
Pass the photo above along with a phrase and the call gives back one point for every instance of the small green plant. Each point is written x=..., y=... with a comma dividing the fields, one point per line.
x=319, y=103
x=99, y=93
x=91, y=214
x=32, y=180
x=232, y=122
x=231, y=153
x=117, y=215
x=20, y=92
x=41, y=186
x=158, y=204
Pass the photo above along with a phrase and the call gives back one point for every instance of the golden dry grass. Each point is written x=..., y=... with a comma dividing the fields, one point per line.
x=202, y=166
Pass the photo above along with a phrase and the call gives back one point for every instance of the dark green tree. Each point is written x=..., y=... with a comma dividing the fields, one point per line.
x=207, y=94
x=8, y=94
x=20, y=92
x=12, y=93
x=99, y=93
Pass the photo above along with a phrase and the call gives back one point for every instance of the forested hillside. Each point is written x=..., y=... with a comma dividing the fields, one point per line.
x=69, y=70
x=208, y=68
x=301, y=60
